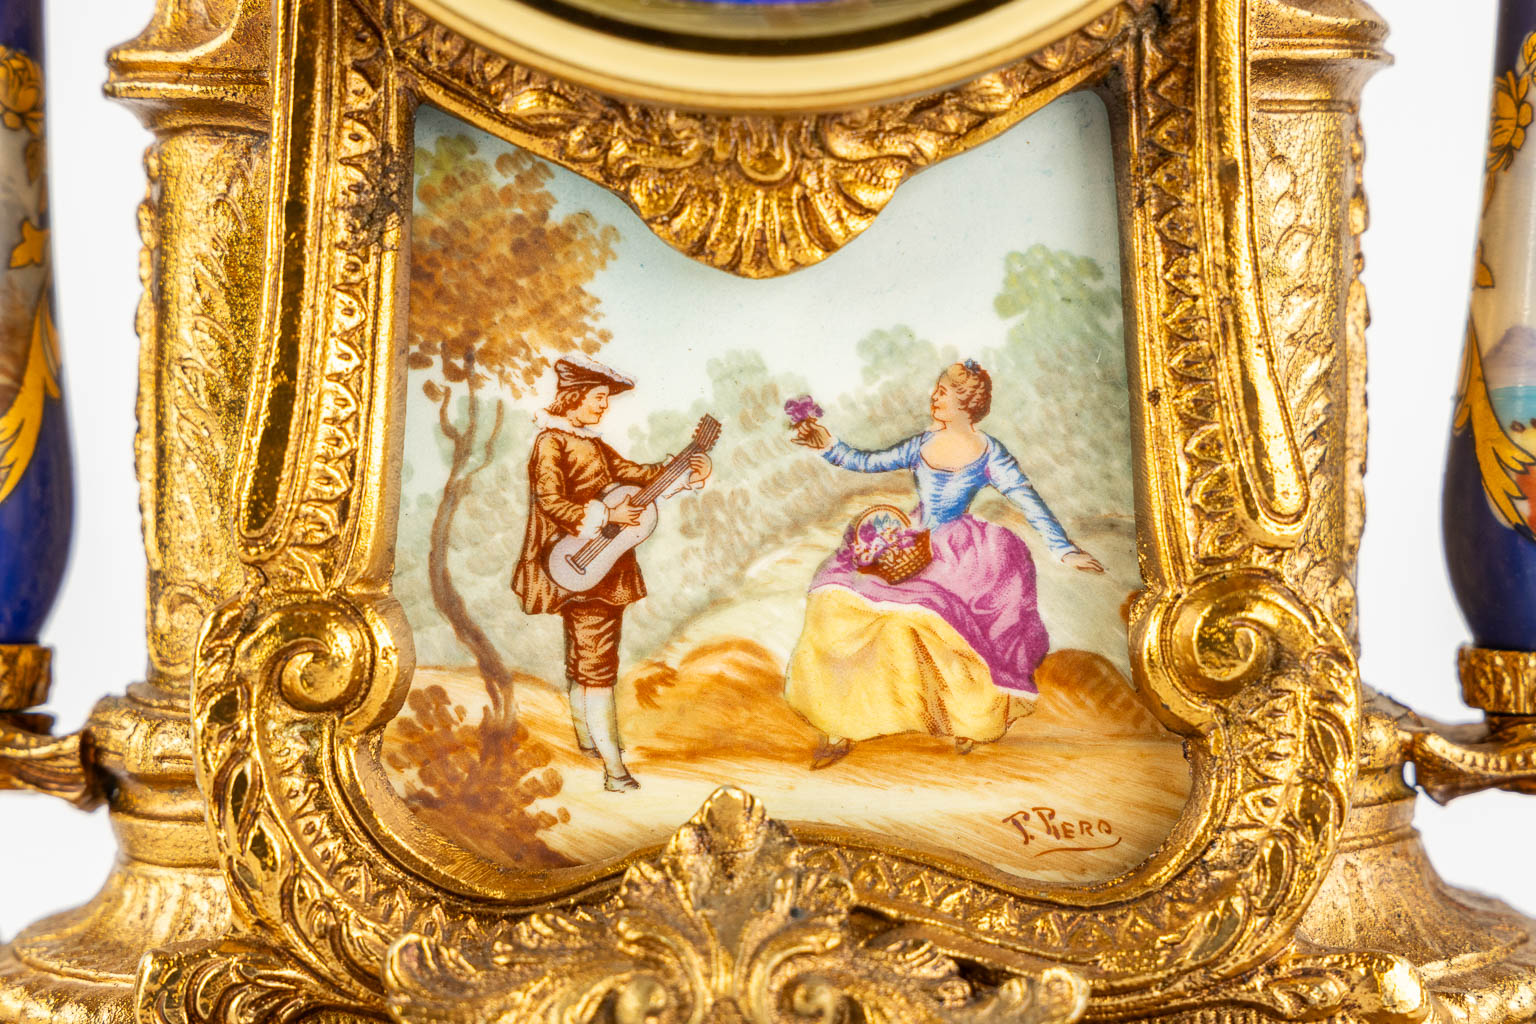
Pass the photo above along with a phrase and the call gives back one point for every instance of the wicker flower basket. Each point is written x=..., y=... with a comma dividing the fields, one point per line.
x=886, y=545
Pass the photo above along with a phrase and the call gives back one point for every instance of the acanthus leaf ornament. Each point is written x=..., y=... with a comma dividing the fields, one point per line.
x=231, y=982
x=756, y=195
x=286, y=765
x=1276, y=496
x=1304, y=984
x=1247, y=376
x=729, y=923
x=32, y=758
x=296, y=673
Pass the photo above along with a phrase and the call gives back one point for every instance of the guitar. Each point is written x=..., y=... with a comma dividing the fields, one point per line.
x=580, y=563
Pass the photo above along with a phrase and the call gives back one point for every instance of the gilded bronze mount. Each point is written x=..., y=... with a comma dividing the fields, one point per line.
x=286, y=877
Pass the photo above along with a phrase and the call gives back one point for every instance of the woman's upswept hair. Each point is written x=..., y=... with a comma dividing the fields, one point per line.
x=567, y=399
x=973, y=387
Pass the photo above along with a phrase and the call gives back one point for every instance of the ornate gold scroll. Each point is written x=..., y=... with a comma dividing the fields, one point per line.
x=1239, y=156
x=1238, y=162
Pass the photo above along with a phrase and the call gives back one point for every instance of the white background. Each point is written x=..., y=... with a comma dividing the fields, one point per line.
x=1425, y=122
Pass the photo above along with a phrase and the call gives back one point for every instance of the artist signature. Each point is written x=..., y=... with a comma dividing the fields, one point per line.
x=1046, y=831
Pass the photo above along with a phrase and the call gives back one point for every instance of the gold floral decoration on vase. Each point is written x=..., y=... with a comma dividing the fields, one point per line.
x=21, y=110
x=21, y=92
x=1511, y=116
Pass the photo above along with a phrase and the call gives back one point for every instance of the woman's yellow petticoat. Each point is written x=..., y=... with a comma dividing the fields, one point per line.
x=864, y=669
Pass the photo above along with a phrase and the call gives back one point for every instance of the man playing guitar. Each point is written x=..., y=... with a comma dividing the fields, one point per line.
x=569, y=470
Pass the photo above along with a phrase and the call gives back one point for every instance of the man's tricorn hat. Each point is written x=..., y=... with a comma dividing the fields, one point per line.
x=579, y=371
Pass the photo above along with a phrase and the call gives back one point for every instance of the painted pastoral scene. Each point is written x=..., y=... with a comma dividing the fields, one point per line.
x=859, y=540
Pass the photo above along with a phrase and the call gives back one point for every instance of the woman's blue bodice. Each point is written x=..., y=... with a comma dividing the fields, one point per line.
x=946, y=494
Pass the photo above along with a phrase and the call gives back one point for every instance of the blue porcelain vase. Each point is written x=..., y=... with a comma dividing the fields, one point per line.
x=1489, y=509
x=36, y=493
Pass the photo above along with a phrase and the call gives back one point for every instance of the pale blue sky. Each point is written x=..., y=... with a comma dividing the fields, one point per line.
x=933, y=261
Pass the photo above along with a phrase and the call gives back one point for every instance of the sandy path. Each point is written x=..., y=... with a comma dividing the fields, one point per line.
x=1020, y=804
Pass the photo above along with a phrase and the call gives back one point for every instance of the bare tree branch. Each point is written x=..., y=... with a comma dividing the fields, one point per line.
x=449, y=430
x=490, y=441
x=499, y=285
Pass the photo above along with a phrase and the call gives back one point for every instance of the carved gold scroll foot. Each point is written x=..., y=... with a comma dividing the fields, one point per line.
x=228, y=981
x=79, y=965
x=1453, y=761
x=1474, y=956
x=1500, y=753
x=26, y=672
x=1307, y=984
x=31, y=757
x=728, y=924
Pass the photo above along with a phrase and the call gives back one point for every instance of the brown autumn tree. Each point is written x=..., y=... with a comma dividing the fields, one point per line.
x=498, y=292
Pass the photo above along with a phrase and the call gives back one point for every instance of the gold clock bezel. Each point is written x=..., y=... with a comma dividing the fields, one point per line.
x=736, y=76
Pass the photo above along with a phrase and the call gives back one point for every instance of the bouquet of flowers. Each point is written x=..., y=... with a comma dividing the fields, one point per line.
x=884, y=543
x=801, y=409
x=803, y=413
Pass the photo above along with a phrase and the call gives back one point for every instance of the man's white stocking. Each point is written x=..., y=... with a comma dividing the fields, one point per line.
x=603, y=721
x=576, y=694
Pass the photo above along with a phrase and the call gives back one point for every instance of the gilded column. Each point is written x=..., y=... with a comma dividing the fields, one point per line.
x=1381, y=891
x=197, y=77
x=1310, y=62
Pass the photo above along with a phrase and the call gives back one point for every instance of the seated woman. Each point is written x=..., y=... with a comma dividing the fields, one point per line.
x=952, y=650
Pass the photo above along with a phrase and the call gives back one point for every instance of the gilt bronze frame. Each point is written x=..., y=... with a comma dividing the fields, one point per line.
x=268, y=869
